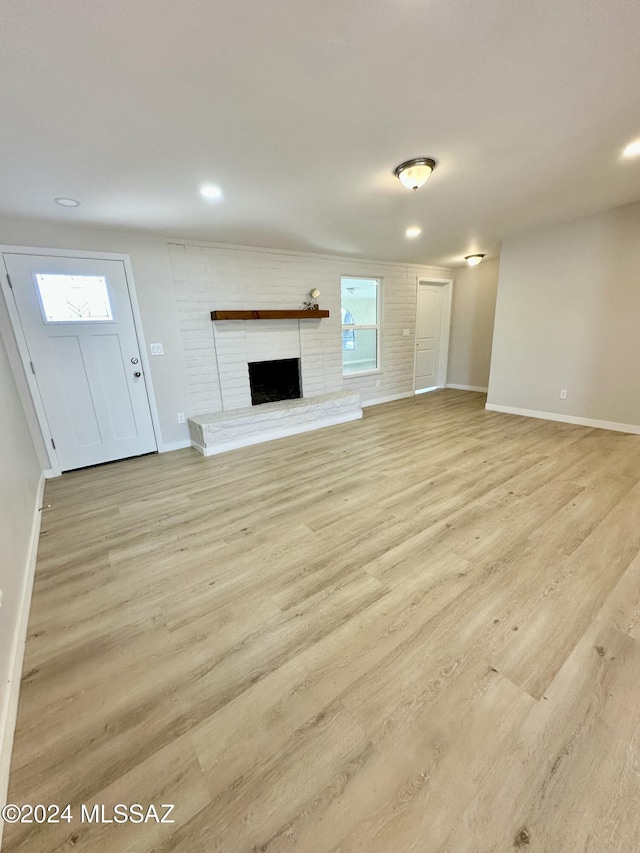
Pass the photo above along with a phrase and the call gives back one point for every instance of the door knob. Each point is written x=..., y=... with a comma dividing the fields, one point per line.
x=137, y=374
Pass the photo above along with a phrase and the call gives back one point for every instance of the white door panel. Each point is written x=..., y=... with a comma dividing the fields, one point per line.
x=428, y=335
x=112, y=369
x=78, y=324
x=428, y=312
x=425, y=363
x=68, y=392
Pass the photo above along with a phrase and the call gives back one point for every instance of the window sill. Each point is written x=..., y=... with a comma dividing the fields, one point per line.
x=357, y=373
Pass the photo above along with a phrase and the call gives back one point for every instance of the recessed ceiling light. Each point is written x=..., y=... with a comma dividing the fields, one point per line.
x=210, y=191
x=632, y=149
x=67, y=202
x=414, y=231
x=473, y=260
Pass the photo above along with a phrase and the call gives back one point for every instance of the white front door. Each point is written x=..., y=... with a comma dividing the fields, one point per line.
x=428, y=336
x=78, y=324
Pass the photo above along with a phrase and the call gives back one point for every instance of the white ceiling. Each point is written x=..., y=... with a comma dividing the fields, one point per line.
x=300, y=111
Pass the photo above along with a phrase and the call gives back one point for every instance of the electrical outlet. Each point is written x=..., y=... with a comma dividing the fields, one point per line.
x=377, y=383
x=406, y=333
x=563, y=395
x=181, y=417
x=156, y=349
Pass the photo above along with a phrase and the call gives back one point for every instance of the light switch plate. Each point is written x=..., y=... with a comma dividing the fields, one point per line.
x=156, y=349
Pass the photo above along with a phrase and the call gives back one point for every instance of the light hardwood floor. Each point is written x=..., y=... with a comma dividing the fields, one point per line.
x=418, y=632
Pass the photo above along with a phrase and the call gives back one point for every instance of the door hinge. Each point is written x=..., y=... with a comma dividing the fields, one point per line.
x=53, y=444
x=33, y=370
x=9, y=281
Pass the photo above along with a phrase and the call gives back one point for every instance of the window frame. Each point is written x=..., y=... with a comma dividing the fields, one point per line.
x=355, y=326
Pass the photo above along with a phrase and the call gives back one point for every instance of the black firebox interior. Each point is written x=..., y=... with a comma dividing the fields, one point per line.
x=274, y=380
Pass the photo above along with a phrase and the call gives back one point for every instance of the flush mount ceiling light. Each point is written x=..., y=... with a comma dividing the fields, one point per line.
x=412, y=232
x=414, y=173
x=210, y=192
x=67, y=202
x=473, y=260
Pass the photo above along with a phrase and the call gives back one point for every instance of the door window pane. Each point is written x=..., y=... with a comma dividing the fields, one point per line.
x=74, y=298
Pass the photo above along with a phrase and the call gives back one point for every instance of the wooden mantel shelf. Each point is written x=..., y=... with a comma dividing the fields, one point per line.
x=309, y=314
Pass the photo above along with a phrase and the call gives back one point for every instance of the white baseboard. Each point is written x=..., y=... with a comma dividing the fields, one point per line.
x=634, y=429
x=379, y=400
x=478, y=388
x=427, y=390
x=174, y=445
x=249, y=440
x=49, y=473
x=9, y=708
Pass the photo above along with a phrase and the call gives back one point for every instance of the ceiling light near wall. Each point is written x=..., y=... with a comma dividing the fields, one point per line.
x=632, y=149
x=67, y=202
x=414, y=231
x=210, y=192
x=414, y=173
x=473, y=260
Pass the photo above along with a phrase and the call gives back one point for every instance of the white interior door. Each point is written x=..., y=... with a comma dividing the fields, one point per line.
x=78, y=325
x=428, y=336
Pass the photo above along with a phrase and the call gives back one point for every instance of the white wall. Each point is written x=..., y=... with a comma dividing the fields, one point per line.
x=227, y=277
x=156, y=296
x=19, y=483
x=568, y=317
x=473, y=312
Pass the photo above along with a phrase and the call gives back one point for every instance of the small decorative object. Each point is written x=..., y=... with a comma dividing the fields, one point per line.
x=311, y=304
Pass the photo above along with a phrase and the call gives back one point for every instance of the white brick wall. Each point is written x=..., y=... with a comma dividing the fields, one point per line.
x=228, y=277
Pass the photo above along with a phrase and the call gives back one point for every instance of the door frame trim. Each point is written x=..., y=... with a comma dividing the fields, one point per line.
x=23, y=350
x=445, y=328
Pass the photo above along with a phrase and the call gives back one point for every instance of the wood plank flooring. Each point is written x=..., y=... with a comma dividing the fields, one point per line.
x=417, y=632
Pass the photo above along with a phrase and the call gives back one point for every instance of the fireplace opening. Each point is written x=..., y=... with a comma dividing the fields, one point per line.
x=274, y=380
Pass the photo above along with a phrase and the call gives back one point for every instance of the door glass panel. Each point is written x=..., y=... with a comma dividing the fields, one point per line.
x=74, y=298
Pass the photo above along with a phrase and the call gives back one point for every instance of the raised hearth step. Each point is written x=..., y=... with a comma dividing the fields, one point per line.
x=220, y=431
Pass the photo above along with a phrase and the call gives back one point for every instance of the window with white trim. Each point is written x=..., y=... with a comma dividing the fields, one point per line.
x=360, y=324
